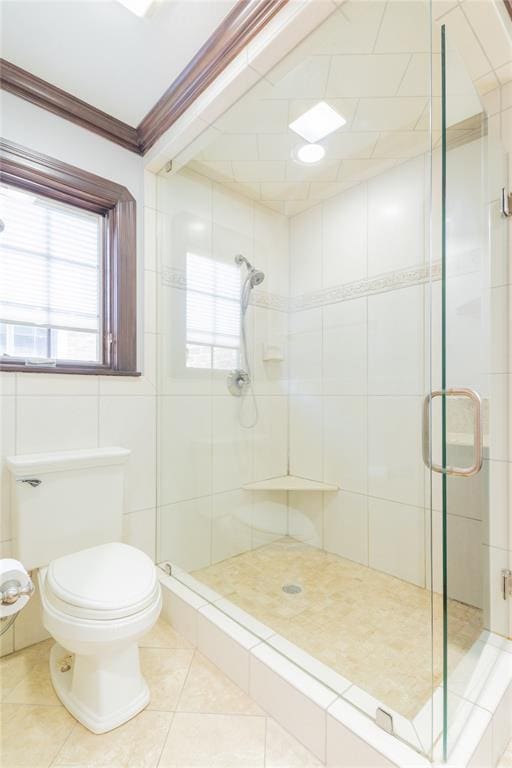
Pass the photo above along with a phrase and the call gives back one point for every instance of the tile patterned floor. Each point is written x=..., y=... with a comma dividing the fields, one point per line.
x=197, y=718
x=372, y=628
x=506, y=760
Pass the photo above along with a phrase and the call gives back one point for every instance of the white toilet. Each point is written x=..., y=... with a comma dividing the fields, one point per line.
x=98, y=596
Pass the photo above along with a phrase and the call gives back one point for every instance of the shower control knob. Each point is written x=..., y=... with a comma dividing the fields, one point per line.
x=238, y=382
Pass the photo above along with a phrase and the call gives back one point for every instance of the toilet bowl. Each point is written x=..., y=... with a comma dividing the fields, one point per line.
x=98, y=596
x=96, y=604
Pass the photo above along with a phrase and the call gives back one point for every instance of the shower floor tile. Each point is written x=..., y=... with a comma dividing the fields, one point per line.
x=371, y=628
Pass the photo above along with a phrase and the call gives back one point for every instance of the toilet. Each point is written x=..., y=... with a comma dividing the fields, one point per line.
x=98, y=595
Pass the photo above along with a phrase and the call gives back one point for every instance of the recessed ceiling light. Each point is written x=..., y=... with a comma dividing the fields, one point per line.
x=310, y=153
x=318, y=122
x=138, y=7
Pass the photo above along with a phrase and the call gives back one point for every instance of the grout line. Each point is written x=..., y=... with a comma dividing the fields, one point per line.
x=164, y=743
x=194, y=653
x=381, y=22
x=407, y=66
x=72, y=728
x=475, y=35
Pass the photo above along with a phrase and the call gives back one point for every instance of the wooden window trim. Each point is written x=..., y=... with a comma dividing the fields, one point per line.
x=34, y=172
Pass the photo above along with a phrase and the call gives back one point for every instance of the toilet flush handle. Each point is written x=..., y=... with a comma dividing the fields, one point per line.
x=32, y=481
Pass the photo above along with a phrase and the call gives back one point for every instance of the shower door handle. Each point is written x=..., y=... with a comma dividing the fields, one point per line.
x=477, y=432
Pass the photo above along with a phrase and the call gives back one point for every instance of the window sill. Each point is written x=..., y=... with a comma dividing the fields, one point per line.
x=87, y=370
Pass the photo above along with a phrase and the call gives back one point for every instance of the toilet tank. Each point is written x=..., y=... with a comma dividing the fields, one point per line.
x=64, y=502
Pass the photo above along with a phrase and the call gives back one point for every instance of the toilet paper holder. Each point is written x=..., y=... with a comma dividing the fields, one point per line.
x=12, y=590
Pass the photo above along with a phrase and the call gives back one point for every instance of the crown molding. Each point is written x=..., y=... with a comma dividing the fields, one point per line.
x=241, y=25
x=43, y=94
x=246, y=19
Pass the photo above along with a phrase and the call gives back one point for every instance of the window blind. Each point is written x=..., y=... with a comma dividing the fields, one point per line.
x=50, y=276
x=213, y=313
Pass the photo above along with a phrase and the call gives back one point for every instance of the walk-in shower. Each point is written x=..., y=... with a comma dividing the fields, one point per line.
x=377, y=269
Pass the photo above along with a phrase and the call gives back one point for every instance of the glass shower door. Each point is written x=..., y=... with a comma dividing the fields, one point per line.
x=468, y=162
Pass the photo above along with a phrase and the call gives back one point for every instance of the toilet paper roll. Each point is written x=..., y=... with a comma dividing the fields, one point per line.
x=13, y=575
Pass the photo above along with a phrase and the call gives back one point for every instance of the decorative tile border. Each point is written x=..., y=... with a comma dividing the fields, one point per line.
x=177, y=278
x=388, y=281
x=174, y=278
x=268, y=300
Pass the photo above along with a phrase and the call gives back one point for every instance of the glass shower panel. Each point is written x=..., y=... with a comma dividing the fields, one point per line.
x=297, y=497
x=471, y=166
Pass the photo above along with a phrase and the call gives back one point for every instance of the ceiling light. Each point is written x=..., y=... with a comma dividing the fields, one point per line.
x=310, y=153
x=138, y=7
x=318, y=122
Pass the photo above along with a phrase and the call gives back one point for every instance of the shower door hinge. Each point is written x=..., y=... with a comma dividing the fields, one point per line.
x=384, y=720
x=506, y=576
x=506, y=203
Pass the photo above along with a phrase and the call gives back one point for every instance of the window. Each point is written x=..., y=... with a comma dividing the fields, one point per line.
x=213, y=313
x=50, y=279
x=67, y=268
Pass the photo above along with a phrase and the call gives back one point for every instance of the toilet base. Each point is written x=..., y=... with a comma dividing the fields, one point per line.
x=101, y=692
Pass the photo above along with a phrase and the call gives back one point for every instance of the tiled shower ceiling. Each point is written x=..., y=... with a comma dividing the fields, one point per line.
x=370, y=62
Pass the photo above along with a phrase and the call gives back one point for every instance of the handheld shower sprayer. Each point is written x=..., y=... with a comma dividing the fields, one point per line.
x=240, y=380
x=255, y=276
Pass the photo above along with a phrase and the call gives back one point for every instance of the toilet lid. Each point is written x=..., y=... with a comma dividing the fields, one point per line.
x=108, y=581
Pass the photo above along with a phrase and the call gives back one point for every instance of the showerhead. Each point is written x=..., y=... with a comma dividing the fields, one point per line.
x=255, y=276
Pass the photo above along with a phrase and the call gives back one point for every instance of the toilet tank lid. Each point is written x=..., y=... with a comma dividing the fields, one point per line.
x=60, y=461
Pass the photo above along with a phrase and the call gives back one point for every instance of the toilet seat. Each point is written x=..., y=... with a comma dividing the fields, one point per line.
x=110, y=581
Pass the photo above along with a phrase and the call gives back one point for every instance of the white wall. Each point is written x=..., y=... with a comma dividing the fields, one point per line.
x=359, y=368
x=46, y=412
x=497, y=553
x=357, y=371
x=204, y=455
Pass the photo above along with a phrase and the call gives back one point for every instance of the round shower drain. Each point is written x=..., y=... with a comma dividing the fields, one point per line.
x=292, y=589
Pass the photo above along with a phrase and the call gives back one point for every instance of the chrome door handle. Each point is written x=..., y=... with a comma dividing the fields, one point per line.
x=477, y=432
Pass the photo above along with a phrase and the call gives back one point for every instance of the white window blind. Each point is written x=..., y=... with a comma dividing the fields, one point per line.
x=50, y=279
x=213, y=313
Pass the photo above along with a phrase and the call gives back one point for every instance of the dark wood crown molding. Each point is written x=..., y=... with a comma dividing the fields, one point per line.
x=246, y=19
x=241, y=25
x=43, y=94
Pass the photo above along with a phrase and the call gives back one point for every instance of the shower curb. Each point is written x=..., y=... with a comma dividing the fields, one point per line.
x=326, y=724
